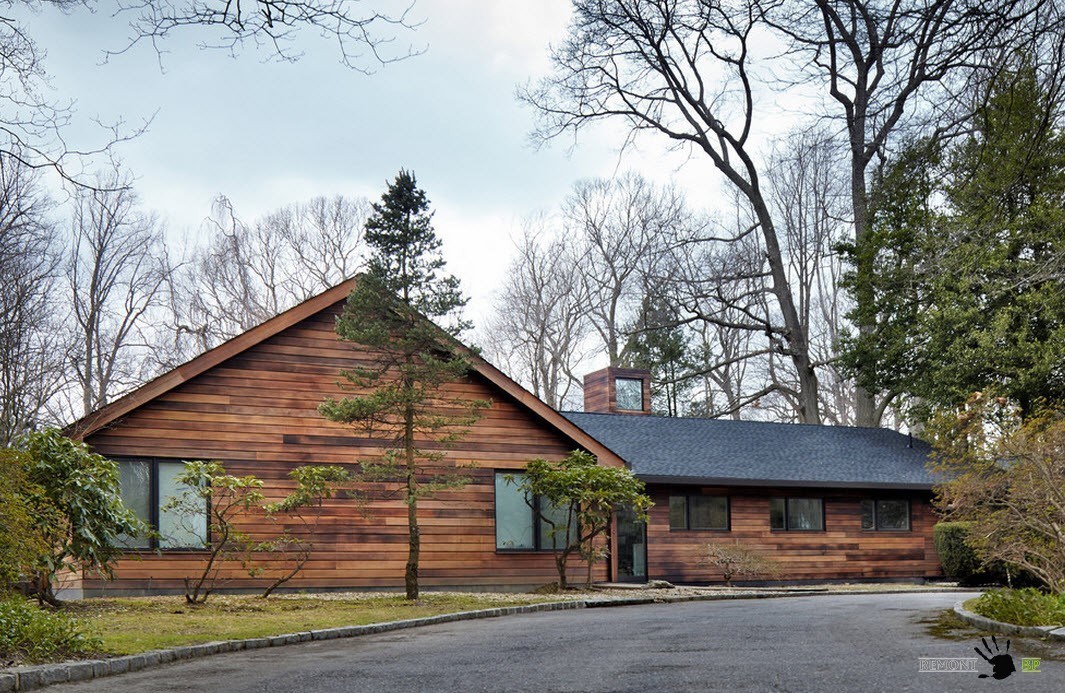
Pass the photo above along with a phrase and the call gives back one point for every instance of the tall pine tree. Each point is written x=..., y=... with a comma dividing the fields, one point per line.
x=406, y=309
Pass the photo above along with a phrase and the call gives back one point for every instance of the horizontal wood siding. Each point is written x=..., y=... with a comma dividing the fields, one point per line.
x=842, y=551
x=257, y=413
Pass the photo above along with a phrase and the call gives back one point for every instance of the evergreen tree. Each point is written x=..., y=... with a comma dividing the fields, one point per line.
x=969, y=260
x=658, y=344
x=405, y=308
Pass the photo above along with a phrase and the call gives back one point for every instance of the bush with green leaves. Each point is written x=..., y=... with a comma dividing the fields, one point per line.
x=226, y=497
x=74, y=499
x=30, y=634
x=958, y=559
x=1023, y=607
x=20, y=544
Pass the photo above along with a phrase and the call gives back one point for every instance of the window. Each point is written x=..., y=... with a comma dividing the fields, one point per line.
x=796, y=514
x=518, y=525
x=698, y=512
x=886, y=515
x=628, y=394
x=147, y=485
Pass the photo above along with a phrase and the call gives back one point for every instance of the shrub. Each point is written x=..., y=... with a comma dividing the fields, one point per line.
x=1004, y=476
x=958, y=559
x=1023, y=607
x=30, y=634
x=734, y=560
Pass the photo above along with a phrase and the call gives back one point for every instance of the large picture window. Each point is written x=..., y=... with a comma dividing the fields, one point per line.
x=888, y=515
x=698, y=512
x=519, y=525
x=796, y=514
x=147, y=486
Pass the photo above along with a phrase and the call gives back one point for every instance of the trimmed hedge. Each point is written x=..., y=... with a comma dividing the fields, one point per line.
x=958, y=559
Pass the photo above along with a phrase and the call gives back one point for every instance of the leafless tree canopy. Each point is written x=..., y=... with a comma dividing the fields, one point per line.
x=117, y=271
x=364, y=36
x=31, y=350
x=248, y=273
x=540, y=325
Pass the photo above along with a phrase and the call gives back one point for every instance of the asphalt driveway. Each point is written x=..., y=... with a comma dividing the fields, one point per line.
x=816, y=643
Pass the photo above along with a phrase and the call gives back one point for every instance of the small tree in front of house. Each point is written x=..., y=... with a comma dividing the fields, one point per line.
x=399, y=395
x=290, y=552
x=1005, y=477
x=576, y=499
x=73, y=498
x=225, y=497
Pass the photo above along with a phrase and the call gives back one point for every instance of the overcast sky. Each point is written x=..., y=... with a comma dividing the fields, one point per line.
x=269, y=133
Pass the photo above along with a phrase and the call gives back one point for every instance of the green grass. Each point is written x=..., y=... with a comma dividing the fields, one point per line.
x=1023, y=607
x=138, y=624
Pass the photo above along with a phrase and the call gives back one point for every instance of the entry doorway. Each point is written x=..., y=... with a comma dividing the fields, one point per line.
x=632, y=547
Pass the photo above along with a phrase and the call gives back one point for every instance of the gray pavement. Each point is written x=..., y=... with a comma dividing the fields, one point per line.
x=856, y=642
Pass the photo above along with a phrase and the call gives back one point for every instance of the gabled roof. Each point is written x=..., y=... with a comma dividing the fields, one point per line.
x=754, y=453
x=110, y=413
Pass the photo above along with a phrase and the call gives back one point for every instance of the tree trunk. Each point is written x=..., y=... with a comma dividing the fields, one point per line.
x=798, y=346
x=560, y=563
x=413, y=531
x=864, y=401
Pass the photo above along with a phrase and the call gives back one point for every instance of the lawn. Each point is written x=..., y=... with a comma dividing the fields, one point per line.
x=138, y=624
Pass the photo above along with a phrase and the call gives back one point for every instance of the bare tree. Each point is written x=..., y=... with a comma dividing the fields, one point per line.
x=681, y=69
x=117, y=271
x=248, y=273
x=363, y=35
x=34, y=123
x=31, y=351
x=624, y=226
x=539, y=327
x=808, y=192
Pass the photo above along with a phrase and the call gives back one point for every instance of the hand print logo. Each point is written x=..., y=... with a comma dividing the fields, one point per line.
x=1001, y=662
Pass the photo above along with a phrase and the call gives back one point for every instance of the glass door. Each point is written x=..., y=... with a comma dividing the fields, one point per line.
x=632, y=548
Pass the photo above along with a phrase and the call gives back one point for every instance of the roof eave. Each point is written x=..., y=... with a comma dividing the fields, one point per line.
x=780, y=483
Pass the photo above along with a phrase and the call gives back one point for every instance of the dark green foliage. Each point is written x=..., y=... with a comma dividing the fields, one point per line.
x=30, y=634
x=578, y=500
x=73, y=496
x=958, y=559
x=967, y=247
x=407, y=311
x=1023, y=607
x=657, y=342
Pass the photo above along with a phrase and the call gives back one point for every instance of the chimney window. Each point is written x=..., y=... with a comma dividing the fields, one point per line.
x=628, y=394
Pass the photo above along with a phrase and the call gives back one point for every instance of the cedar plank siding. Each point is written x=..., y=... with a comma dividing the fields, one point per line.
x=842, y=551
x=256, y=412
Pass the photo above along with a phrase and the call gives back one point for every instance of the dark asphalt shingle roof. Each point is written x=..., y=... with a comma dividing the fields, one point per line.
x=664, y=449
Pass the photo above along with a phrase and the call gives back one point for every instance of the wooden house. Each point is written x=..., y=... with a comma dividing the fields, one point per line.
x=251, y=404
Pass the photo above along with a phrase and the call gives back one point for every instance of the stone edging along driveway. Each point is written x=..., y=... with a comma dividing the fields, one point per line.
x=26, y=678
x=1052, y=632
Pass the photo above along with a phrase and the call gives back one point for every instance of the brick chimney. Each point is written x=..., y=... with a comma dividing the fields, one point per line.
x=618, y=391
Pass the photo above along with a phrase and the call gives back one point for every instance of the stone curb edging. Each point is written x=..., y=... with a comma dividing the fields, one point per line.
x=1052, y=632
x=27, y=678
